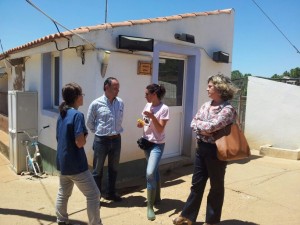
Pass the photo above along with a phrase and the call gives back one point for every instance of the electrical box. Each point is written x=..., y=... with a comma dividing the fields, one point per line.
x=220, y=56
x=22, y=115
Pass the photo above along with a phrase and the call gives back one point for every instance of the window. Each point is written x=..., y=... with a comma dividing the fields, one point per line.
x=56, y=81
x=171, y=74
x=51, y=80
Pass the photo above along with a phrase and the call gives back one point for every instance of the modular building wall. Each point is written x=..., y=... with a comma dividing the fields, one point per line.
x=123, y=65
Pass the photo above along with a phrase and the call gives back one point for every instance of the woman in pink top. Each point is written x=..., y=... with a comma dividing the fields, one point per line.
x=212, y=116
x=155, y=117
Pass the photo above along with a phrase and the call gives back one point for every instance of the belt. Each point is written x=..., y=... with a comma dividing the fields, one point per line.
x=110, y=137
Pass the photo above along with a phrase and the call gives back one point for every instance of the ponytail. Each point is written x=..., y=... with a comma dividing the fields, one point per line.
x=63, y=109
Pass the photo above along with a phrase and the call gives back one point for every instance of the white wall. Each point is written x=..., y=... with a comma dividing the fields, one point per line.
x=212, y=33
x=272, y=114
x=124, y=68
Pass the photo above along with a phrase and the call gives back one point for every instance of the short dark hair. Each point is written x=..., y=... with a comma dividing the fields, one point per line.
x=158, y=89
x=108, y=82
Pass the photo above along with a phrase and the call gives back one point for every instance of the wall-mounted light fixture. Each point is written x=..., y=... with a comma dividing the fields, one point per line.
x=221, y=57
x=104, y=63
x=80, y=53
x=185, y=37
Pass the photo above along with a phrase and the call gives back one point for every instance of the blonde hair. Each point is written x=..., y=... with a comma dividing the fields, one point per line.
x=224, y=86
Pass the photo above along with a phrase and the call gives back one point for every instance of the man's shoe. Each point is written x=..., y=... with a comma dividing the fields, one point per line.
x=114, y=198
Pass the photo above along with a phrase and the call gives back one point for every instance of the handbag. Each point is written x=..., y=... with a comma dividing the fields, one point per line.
x=144, y=144
x=231, y=143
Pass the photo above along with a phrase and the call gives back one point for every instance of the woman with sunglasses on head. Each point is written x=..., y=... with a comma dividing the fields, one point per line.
x=155, y=117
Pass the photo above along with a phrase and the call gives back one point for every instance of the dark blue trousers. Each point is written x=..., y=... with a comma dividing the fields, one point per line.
x=105, y=147
x=206, y=166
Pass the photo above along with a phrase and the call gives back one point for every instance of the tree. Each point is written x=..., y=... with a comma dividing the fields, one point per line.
x=276, y=76
x=286, y=74
x=236, y=74
x=295, y=73
x=240, y=81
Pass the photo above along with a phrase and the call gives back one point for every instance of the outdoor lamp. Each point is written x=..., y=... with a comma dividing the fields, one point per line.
x=80, y=53
x=104, y=63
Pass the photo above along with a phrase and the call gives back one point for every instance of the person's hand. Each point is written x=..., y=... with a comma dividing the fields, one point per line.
x=140, y=123
x=205, y=133
x=148, y=114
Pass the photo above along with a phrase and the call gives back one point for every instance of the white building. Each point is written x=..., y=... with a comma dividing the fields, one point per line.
x=174, y=50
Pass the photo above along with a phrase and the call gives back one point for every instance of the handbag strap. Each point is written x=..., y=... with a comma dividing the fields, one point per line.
x=237, y=121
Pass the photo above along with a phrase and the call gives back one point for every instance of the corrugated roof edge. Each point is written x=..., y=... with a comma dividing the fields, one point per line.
x=86, y=29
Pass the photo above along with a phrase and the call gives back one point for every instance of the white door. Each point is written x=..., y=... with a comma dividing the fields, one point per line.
x=171, y=75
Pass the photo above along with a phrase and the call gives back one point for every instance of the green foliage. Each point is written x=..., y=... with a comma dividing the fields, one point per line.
x=293, y=73
x=236, y=74
x=240, y=81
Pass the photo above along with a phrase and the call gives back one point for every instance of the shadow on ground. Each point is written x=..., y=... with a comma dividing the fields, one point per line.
x=38, y=216
x=168, y=178
x=236, y=222
x=243, y=161
x=230, y=222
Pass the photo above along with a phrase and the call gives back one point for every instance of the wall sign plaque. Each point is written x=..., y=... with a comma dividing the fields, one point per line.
x=144, y=68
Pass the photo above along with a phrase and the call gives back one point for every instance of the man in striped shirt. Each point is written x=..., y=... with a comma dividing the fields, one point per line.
x=104, y=119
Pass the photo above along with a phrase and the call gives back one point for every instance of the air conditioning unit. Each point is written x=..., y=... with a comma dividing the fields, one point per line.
x=221, y=57
x=135, y=43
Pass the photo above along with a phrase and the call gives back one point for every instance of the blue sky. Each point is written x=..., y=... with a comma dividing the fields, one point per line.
x=259, y=48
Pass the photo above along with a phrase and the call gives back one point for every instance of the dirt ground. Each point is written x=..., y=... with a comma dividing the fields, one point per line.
x=261, y=190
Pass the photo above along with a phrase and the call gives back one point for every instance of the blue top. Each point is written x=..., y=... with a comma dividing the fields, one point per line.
x=105, y=118
x=70, y=159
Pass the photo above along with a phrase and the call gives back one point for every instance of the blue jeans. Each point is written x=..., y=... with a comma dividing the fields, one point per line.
x=207, y=166
x=153, y=156
x=86, y=184
x=103, y=147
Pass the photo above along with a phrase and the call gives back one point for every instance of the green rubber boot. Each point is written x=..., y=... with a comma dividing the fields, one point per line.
x=150, y=202
x=157, y=195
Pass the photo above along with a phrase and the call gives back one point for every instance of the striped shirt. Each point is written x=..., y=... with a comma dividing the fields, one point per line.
x=105, y=118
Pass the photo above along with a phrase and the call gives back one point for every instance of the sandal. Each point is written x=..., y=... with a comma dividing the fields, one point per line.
x=180, y=220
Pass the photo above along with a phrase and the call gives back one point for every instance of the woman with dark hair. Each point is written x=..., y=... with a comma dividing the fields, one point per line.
x=212, y=116
x=71, y=160
x=155, y=117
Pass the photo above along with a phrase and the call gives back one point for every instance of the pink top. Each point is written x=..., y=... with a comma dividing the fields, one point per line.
x=212, y=118
x=161, y=112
